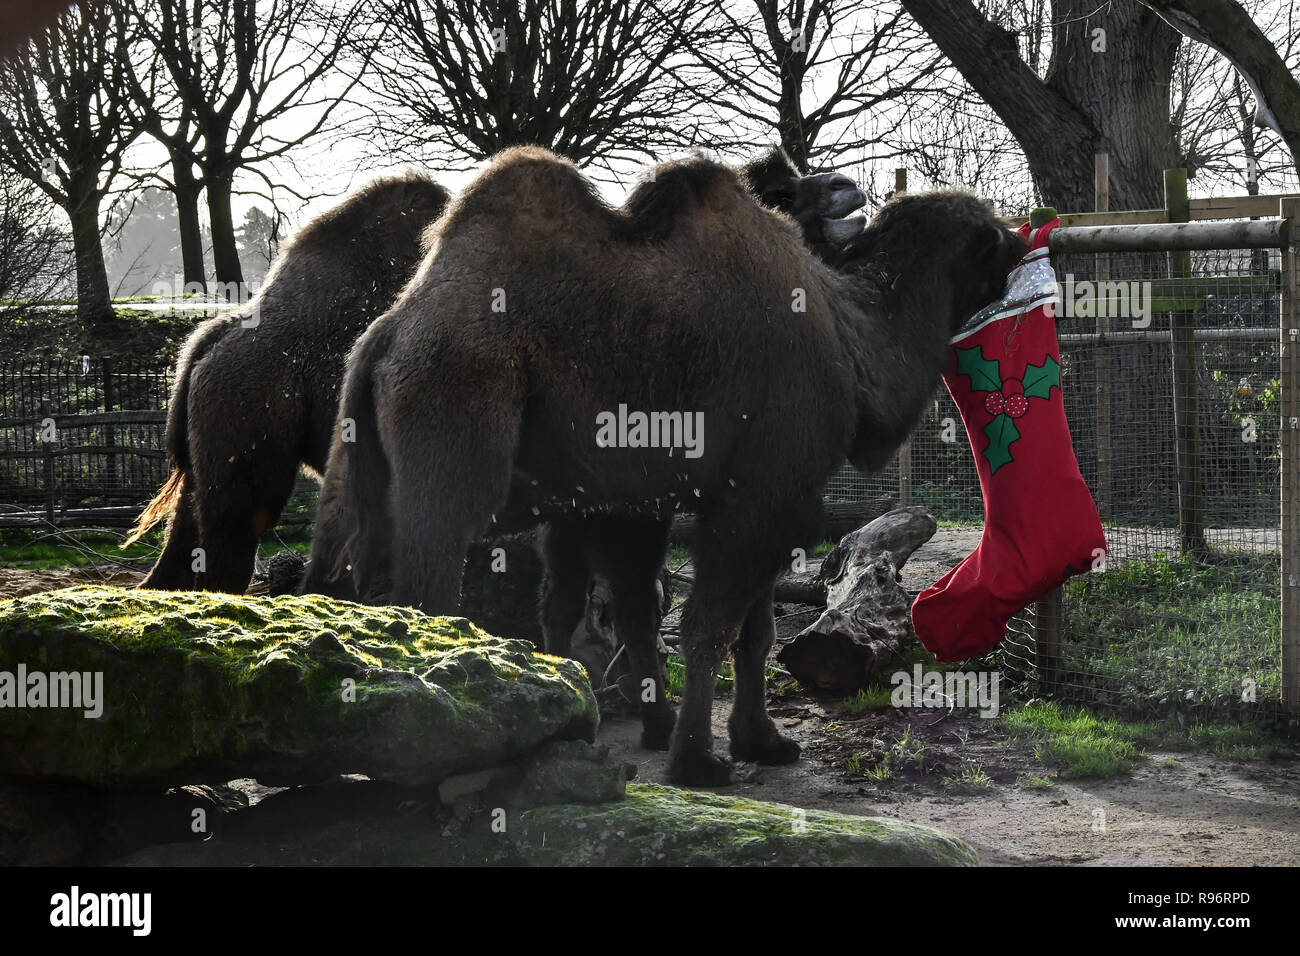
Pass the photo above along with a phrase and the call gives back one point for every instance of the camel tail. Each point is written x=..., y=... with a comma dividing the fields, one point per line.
x=178, y=429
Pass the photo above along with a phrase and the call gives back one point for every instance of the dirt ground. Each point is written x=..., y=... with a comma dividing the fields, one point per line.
x=1200, y=811
x=1174, y=809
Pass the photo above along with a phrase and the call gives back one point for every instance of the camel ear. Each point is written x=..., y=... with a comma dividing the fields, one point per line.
x=772, y=179
x=994, y=245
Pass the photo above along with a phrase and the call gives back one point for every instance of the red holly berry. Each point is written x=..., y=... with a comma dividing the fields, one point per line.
x=1016, y=405
x=1013, y=386
x=993, y=402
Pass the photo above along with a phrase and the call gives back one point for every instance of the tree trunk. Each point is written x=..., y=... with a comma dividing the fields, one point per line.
x=1105, y=91
x=1118, y=80
x=94, y=304
x=225, y=251
x=186, y=190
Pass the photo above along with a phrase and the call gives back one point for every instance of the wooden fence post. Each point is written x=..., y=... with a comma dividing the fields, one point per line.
x=1187, y=425
x=1289, y=433
x=1101, y=190
x=905, y=449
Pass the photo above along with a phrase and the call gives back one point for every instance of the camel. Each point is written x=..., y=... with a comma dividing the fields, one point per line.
x=232, y=467
x=256, y=390
x=540, y=315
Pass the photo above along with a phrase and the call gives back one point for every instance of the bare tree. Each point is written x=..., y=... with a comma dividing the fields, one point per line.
x=64, y=126
x=1265, y=67
x=1105, y=88
x=35, y=255
x=1225, y=129
x=598, y=82
x=812, y=68
x=241, y=84
x=954, y=140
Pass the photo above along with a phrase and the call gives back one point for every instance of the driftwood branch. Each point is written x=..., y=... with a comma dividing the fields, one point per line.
x=867, y=621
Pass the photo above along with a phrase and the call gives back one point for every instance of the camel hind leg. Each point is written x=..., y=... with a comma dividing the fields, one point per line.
x=754, y=736
x=451, y=466
x=241, y=503
x=629, y=553
x=565, y=576
x=174, y=570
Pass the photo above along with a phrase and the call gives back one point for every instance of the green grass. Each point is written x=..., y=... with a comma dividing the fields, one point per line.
x=676, y=668
x=869, y=698
x=1034, y=782
x=868, y=764
x=1172, y=634
x=1076, y=742
x=970, y=778
x=1240, y=742
x=1080, y=744
x=44, y=551
x=883, y=762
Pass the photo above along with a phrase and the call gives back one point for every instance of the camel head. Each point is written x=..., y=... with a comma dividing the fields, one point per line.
x=821, y=204
x=947, y=233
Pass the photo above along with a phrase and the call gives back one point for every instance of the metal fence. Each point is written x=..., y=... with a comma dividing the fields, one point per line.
x=1186, y=469
x=80, y=438
x=1177, y=426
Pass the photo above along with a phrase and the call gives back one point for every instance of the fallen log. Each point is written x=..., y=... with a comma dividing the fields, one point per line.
x=867, y=620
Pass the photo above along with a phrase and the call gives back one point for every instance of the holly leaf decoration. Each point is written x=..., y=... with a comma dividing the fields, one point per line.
x=983, y=373
x=1039, y=379
x=1001, y=433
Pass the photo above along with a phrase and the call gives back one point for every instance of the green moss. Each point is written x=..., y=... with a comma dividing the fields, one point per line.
x=291, y=687
x=666, y=826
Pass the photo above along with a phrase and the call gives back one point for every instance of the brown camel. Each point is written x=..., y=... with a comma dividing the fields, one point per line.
x=821, y=205
x=566, y=358
x=239, y=427
x=256, y=390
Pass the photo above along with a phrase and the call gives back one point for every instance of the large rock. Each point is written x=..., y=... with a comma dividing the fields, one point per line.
x=664, y=826
x=653, y=826
x=203, y=688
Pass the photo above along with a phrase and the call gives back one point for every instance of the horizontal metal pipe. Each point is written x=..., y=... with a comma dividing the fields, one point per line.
x=1170, y=236
x=1085, y=339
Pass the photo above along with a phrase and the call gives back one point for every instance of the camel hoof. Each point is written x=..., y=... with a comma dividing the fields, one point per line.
x=657, y=730
x=700, y=768
x=772, y=749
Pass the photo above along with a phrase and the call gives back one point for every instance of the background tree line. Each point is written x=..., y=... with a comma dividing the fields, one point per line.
x=1010, y=98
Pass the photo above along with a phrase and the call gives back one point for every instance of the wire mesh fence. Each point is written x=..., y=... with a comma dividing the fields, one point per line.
x=81, y=436
x=1184, y=615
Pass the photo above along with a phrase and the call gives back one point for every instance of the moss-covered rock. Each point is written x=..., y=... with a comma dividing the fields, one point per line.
x=203, y=687
x=664, y=826
x=653, y=826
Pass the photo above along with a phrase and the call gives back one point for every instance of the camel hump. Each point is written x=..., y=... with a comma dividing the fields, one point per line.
x=401, y=204
x=704, y=193
x=526, y=184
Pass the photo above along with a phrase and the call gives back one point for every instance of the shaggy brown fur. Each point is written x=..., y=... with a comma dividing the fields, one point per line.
x=256, y=391
x=682, y=300
x=818, y=204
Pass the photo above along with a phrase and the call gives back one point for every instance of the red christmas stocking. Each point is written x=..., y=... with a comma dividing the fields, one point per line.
x=1040, y=523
